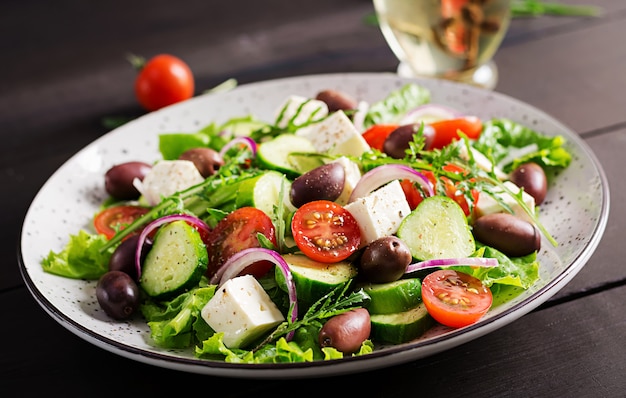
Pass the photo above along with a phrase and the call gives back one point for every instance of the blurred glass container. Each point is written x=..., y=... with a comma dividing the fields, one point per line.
x=449, y=39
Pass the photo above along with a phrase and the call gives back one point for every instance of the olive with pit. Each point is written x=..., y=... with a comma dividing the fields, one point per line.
x=385, y=260
x=347, y=331
x=206, y=160
x=397, y=142
x=532, y=178
x=325, y=182
x=118, y=294
x=507, y=233
x=118, y=180
x=336, y=100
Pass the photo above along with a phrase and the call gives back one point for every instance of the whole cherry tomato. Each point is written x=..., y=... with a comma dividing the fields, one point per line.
x=163, y=80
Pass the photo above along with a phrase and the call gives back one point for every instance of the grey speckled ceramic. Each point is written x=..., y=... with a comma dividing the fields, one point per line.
x=575, y=212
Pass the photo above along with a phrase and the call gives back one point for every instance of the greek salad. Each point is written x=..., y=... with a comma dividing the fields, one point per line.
x=337, y=227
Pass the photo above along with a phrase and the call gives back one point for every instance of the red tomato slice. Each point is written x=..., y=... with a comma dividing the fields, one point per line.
x=324, y=231
x=115, y=218
x=376, y=135
x=238, y=231
x=411, y=191
x=454, y=298
x=447, y=130
x=455, y=193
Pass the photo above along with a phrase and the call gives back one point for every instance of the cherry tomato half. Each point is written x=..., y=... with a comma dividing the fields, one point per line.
x=376, y=135
x=324, y=231
x=115, y=218
x=162, y=81
x=447, y=130
x=238, y=231
x=453, y=191
x=454, y=298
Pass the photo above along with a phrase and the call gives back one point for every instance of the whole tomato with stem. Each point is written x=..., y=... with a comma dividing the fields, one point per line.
x=162, y=80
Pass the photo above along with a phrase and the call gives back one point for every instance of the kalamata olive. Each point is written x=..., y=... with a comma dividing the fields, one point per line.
x=346, y=331
x=117, y=294
x=532, y=178
x=385, y=260
x=118, y=180
x=207, y=160
x=336, y=100
x=325, y=182
x=123, y=258
x=507, y=233
x=397, y=142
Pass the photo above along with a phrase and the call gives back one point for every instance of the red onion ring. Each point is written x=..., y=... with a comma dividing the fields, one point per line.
x=438, y=112
x=381, y=175
x=143, y=236
x=448, y=262
x=249, y=142
x=244, y=258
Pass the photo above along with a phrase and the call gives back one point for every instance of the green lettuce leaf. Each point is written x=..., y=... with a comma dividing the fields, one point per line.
x=81, y=257
x=396, y=105
x=511, y=144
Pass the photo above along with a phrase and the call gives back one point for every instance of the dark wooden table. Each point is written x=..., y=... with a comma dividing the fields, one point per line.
x=63, y=69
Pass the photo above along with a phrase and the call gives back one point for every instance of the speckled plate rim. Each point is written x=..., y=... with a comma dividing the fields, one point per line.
x=72, y=304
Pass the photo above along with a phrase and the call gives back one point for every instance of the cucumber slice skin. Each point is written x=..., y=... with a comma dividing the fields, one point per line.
x=275, y=155
x=401, y=327
x=314, y=279
x=392, y=297
x=176, y=261
x=437, y=228
x=263, y=192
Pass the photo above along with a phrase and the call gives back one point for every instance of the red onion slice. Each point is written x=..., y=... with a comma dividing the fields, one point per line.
x=381, y=175
x=448, y=262
x=197, y=223
x=430, y=113
x=241, y=260
x=247, y=141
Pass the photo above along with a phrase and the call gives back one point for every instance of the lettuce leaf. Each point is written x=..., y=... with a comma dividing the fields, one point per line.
x=81, y=257
x=511, y=144
x=396, y=105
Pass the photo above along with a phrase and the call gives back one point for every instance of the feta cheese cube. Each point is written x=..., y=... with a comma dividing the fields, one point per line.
x=242, y=310
x=481, y=161
x=381, y=212
x=300, y=110
x=487, y=204
x=166, y=178
x=337, y=135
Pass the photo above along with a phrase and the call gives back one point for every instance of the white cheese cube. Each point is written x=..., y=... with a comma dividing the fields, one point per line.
x=352, y=177
x=299, y=110
x=381, y=212
x=242, y=310
x=337, y=135
x=488, y=205
x=166, y=178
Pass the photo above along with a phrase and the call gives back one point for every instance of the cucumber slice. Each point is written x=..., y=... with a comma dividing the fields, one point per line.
x=314, y=279
x=401, y=327
x=396, y=296
x=279, y=154
x=437, y=228
x=176, y=261
x=263, y=192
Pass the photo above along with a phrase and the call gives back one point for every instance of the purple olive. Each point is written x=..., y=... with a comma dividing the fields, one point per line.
x=206, y=160
x=118, y=180
x=346, y=331
x=397, y=142
x=117, y=294
x=385, y=260
x=532, y=178
x=336, y=100
x=507, y=233
x=325, y=182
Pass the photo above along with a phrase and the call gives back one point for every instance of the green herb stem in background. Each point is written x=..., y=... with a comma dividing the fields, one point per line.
x=534, y=8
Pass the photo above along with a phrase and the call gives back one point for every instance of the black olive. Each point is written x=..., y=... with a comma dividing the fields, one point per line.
x=325, y=182
x=206, y=160
x=385, y=260
x=397, y=142
x=346, y=331
x=507, y=233
x=532, y=178
x=118, y=180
